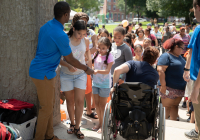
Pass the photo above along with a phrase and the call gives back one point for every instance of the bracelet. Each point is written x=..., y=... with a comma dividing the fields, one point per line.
x=186, y=69
x=86, y=69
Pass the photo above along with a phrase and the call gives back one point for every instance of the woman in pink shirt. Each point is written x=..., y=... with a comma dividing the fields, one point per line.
x=154, y=41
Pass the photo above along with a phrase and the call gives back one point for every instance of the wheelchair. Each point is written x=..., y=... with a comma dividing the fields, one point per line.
x=135, y=113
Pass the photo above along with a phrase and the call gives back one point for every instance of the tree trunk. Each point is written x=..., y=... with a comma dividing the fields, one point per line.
x=19, y=28
x=125, y=8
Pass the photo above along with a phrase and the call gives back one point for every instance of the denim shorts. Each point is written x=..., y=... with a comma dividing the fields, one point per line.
x=69, y=82
x=102, y=92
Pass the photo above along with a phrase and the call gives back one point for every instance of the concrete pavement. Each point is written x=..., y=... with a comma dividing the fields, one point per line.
x=174, y=129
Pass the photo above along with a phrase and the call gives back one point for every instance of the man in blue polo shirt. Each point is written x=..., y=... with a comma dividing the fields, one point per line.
x=192, y=68
x=53, y=43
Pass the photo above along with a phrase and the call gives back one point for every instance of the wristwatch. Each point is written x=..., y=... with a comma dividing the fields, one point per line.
x=186, y=69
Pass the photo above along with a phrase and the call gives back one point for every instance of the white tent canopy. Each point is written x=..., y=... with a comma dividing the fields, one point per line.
x=72, y=13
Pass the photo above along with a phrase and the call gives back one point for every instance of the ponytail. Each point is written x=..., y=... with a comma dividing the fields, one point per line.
x=97, y=53
x=70, y=33
x=105, y=62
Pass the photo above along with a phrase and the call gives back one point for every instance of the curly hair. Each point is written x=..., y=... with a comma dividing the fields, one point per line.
x=171, y=43
x=78, y=16
x=150, y=55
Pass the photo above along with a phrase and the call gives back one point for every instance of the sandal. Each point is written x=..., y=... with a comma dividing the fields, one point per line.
x=91, y=109
x=92, y=115
x=79, y=136
x=70, y=130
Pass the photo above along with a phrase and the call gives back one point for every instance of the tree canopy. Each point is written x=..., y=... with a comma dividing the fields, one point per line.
x=165, y=8
x=84, y=5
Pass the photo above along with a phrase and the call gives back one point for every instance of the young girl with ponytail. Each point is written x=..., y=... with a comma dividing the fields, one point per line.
x=101, y=84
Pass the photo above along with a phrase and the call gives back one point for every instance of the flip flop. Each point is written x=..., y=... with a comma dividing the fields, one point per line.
x=91, y=109
x=95, y=128
x=92, y=115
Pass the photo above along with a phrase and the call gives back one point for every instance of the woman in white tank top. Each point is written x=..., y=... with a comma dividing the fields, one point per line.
x=139, y=40
x=73, y=81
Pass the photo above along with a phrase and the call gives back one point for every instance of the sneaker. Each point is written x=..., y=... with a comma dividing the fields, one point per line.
x=184, y=105
x=188, y=120
x=192, y=134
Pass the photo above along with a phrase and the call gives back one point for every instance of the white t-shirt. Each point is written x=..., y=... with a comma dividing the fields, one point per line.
x=90, y=38
x=96, y=21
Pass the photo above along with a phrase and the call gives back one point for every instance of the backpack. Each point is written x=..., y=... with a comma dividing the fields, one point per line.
x=4, y=133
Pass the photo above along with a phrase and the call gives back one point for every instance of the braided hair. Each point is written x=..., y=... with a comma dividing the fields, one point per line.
x=106, y=42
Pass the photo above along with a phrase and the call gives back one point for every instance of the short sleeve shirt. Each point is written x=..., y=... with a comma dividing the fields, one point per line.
x=153, y=38
x=91, y=33
x=53, y=42
x=102, y=80
x=185, y=39
x=195, y=60
x=141, y=71
x=174, y=72
x=158, y=35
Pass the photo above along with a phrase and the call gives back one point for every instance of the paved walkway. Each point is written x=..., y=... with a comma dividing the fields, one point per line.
x=174, y=129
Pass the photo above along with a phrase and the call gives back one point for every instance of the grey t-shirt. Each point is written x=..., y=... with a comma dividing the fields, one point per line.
x=121, y=55
x=166, y=36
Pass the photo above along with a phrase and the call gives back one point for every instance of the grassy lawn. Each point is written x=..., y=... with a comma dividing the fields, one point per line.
x=110, y=28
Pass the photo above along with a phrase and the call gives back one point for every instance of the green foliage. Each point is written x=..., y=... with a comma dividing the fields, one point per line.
x=85, y=5
x=165, y=8
x=135, y=6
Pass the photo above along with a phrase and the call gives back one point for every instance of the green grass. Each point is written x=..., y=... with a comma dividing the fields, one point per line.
x=110, y=28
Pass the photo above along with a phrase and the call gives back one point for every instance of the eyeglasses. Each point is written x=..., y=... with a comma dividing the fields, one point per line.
x=181, y=48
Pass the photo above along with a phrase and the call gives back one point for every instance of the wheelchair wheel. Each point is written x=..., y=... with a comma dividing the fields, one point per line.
x=107, y=126
x=161, y=124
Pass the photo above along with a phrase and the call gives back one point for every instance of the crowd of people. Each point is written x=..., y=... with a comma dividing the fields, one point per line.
x=91, y=64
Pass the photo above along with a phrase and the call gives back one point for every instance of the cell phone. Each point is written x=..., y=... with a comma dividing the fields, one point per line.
x=167, y=92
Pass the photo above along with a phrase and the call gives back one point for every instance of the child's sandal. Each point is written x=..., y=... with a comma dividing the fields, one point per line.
x=70, y=130
x=79, y=136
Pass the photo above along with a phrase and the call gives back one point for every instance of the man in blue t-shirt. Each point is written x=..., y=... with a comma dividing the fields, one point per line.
x=53, y=43
x=192, y=69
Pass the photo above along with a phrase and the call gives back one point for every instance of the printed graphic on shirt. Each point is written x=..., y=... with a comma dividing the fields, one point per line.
x=115, y=52
x=77, y=54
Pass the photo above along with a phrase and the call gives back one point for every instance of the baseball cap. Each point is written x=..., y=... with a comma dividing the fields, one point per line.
x=149, y=24
x=125, y=23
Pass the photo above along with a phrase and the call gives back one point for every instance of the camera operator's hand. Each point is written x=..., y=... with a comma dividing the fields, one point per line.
x=89, y=71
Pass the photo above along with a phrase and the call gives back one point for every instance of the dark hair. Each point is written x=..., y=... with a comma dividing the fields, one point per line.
x=128, y=40
x=167, y=27
x=139, y=30
x=138, y=46
x=196, y=2
x=148, y=30
x=120, y=29
x=92, y=27
x=79, y=16
x=157, y=48
x=104, y=31
x=120, y=25
x=106, y=42
x=171, y=43
x=103, y=26
x=140, y=24
x=150, y=55
x=111, y=35
x=60, y=8
x=78, y=25
x=127, y=27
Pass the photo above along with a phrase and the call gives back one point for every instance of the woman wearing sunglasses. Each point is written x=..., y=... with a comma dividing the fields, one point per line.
x=170, y=69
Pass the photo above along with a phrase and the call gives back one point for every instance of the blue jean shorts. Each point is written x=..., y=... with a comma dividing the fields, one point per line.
x=69, y=82
x=102, y=92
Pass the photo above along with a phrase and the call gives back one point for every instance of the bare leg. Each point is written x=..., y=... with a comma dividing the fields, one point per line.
x=97, y=103
x=88, y=102
x=174, y=109
x=102, y=104
x=70, y=104
x=93, y=102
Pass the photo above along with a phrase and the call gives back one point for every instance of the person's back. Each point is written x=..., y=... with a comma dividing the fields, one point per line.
x=141, y=71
